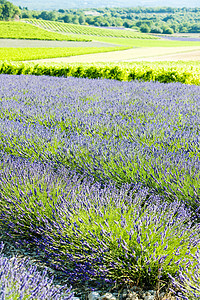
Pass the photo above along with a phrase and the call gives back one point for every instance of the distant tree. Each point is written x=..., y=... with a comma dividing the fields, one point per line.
x=43, y=15
x=26, y=14
x=127, y=24
x=184, y=29
x=8, y=11
x=61, y=11
x=96, y=24
x=156, y=30
x=195, y=28
x=75, y=19
x=52, y=16
x=168, y=30
x=175, y=27
x=144, y=28
x=67, y=18
x=106, y=24
x=81, y=19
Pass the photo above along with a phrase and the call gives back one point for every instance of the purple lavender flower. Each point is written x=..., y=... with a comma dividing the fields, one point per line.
x=20, y=280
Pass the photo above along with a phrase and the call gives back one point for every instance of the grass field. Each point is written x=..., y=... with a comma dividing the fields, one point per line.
x=20, y=30
x=146, y=42
x=20, y=54
x=130, y=55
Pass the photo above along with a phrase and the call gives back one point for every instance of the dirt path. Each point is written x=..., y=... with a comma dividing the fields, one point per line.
x=135, y=54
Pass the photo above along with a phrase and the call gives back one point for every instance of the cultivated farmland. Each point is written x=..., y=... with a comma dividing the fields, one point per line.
x=20, y=30
x=100, y=164
x=20, y=54
x=101, y=178
x=89, y=30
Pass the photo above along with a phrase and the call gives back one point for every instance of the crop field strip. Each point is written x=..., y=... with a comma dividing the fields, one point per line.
x=20, y=54
x=102, y=178
x=123, y=55
x=165, y=72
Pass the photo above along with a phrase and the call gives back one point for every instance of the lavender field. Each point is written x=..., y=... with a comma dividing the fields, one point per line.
x=102, y=179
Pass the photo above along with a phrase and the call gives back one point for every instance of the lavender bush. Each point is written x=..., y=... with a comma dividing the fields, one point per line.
x=94, y=233
x=20, y=280
x=120, y=131
x=187, y=282
x=102, y=177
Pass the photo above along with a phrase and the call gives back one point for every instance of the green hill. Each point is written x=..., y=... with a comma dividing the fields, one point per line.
x=21, y=30
x=67, y=28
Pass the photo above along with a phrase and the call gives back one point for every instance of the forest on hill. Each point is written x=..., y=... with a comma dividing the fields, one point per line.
x=158, y=20
x=166, y=20
x=8, y=11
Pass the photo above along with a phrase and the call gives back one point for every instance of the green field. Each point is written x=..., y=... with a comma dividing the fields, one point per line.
x=20, y=30
x=188, y=73
x=144, y=42
x=101, y=177
x=89, y=30
x=121, y=37
x=21, y=54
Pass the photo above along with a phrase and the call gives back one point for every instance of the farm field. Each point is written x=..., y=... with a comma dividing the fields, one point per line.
x=20, y=30
x=101, y=178
x=187, y=72
x=121, y=37
x=186, y=56
x=134, y=54
x=19, y=54
x=88, y=30
x=99, y=162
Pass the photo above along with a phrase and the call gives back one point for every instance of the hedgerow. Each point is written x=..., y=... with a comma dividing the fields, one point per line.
x=187, y=75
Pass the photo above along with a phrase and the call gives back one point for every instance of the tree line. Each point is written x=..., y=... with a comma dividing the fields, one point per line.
x=166, y=20
x=8, y=11
x=160, y=20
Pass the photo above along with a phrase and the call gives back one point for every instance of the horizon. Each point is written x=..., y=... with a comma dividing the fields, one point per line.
x=90, y=4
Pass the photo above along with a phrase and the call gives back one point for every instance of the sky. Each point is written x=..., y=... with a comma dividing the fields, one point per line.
x=66, y=4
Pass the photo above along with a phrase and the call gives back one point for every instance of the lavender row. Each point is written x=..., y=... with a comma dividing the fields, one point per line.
x=95, y=233
x=187, y=283
x=20, y=280
x=121, y=131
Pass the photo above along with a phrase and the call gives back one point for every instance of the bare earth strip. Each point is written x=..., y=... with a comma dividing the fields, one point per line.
x=192, y=56
x=135, y=54
x=39, y=44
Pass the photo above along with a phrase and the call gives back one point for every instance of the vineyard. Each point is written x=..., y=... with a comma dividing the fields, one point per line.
x=187, y=73
x=88, y=30
x=20, y=30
